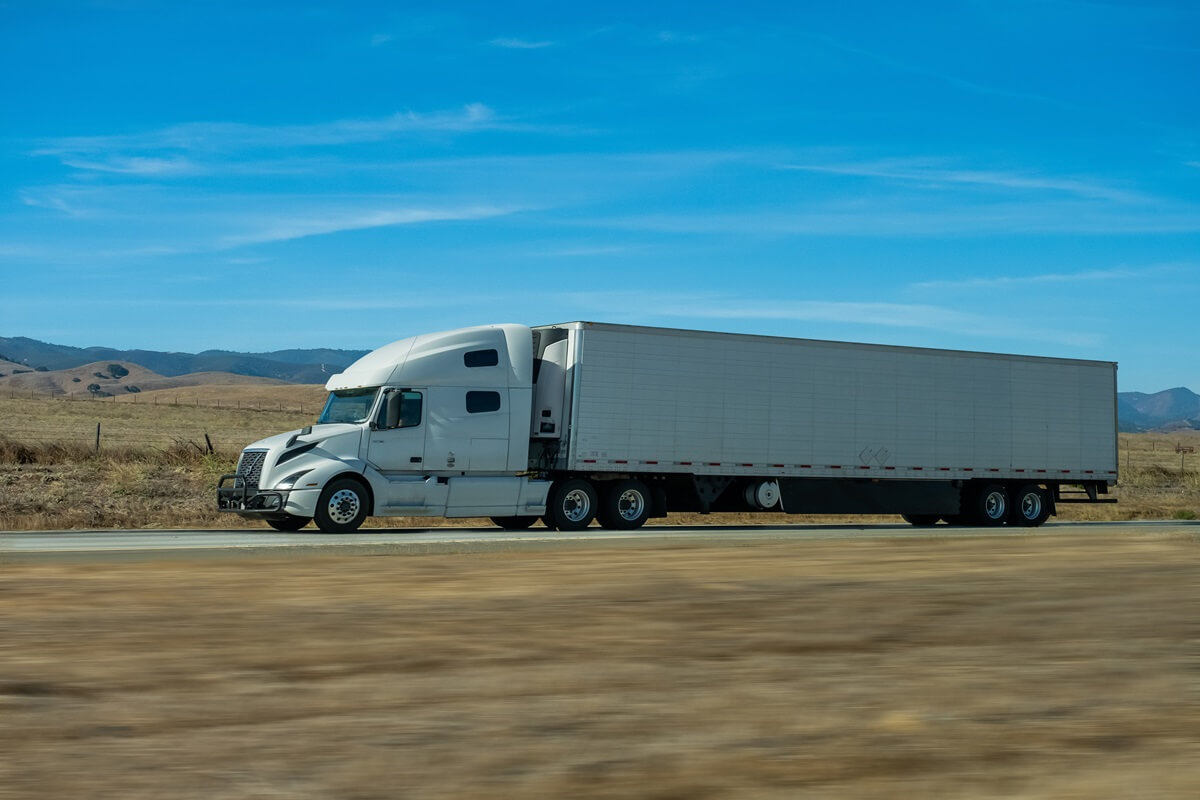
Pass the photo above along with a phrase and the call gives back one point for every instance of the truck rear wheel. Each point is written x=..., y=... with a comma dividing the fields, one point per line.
x=625, y=505
x=988, y=506
x=1031, y=506
x=342, y=506
x=572, y=505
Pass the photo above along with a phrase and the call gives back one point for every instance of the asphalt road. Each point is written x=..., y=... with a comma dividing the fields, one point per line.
x=37, y=545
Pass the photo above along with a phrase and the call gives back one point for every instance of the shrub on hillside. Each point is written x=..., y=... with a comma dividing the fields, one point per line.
x=132, y=389
x=41, y=369
x=117, y=371
x=74, y=380
x=101, y=376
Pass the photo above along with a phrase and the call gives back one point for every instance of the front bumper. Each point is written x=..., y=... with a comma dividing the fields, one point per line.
x=250, y=502
x=241, y=498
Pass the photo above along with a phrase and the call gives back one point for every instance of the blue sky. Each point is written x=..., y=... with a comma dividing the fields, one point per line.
x=1004, y=176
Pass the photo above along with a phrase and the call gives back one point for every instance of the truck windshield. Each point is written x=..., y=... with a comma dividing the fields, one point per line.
x=348, y=405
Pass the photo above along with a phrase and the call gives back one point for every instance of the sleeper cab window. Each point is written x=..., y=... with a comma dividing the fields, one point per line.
x=481, y=358
x=480, y=402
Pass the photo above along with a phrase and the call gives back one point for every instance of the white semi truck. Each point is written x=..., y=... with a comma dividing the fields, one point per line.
x=580, y=421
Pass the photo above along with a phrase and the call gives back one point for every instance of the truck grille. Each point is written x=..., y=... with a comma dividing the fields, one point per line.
x=250, y=466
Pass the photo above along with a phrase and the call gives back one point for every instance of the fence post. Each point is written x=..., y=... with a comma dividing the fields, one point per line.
x=97, y=438
x=208, y=442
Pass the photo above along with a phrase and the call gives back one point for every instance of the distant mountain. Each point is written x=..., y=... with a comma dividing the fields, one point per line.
x=106, y=378
x=1170, y=409
x=295, y=366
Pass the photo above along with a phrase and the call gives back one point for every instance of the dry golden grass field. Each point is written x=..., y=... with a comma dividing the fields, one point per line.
x=1058, y=665
x=153, y=468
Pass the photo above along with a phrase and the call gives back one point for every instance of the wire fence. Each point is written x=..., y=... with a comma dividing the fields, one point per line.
x=98, y=437
x=154, y=399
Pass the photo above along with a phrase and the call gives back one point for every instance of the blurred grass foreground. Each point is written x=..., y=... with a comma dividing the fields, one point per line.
x=1053, y=666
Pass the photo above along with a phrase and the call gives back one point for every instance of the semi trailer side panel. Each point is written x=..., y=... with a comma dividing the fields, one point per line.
x=661, y=400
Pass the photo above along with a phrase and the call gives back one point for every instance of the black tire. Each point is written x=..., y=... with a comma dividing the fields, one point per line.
x=1030, y=507
x=514, y=523
x=571, y=505
x=342, y=506
x=921, y=520
x=289, y=523
x=988, y=506
x=625, y=505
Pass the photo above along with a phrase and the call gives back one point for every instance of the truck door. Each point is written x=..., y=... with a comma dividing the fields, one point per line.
x=397, y=440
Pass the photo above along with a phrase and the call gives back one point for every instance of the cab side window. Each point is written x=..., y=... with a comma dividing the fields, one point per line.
x=401, y=410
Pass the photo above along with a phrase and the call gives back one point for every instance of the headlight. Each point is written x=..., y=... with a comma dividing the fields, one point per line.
x=290, y=480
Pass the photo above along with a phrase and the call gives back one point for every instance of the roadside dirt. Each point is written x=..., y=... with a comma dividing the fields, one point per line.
x=1002, y=667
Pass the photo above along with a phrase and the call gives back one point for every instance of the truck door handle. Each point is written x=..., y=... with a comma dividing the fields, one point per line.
x=415, y=460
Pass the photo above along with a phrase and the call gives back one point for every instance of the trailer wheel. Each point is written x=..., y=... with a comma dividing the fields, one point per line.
x=572, y=505
x=625, y=505
x=921, y=520
x=989, y=506
x=289, y=523
x=514, y=523
x=1031, y=507
x=342, y=506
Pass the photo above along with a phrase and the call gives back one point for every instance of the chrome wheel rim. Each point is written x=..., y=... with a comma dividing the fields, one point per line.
x=1031, y=505
x=576, y=505
x=631, y=505
x=994, y=505
x=343, y=506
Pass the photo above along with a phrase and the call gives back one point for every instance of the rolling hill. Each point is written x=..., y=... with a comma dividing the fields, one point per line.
x=108, y=378
x=1171, y=409
x=293, y=366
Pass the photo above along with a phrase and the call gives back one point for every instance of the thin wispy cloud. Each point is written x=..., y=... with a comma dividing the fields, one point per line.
x=1050, y=278
x=512, y=43
x=234, y=136
x=68, y=202
x=381, y=39
x=901, y=218
x=322, y=223
x=582, y=252
x=151, y=167
x=910, y=316
x=932, y=173
x=143, y=220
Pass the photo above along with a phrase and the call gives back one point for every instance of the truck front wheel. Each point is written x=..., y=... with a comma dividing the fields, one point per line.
x=342, y=506
x=625, y=505
x=571, y=506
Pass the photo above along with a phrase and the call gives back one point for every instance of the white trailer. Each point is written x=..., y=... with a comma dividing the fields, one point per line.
x=582, y=421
